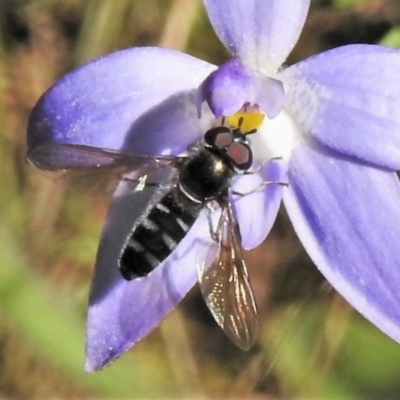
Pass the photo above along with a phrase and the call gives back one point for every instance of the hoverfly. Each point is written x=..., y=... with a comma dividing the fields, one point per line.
x=200, y=181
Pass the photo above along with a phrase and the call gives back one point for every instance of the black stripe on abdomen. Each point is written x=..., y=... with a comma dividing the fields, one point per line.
x=154, y=239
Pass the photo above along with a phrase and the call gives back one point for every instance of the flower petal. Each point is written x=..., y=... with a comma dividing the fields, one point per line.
x=347, y=216
x=257, y=211
x=122, y=312
x=259, y=32
x=124, y=100
x=349, y=99
x=232, y=85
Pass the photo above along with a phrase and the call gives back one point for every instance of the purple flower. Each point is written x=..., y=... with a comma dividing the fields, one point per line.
x=333, y=118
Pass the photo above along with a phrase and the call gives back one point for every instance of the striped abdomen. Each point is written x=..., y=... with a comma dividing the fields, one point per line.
x=154, y=239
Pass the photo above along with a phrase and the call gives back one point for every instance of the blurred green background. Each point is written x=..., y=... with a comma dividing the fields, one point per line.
x=312, y=345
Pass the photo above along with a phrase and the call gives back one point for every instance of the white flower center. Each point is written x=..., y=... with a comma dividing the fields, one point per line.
x=275, y=138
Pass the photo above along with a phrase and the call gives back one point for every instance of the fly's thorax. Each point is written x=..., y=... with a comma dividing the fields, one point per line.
x=205, y=176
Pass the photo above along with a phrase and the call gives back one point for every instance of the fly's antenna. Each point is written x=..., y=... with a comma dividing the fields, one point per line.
x=244, y=123
x=237, y=132
x=239, y=128
x=250, y=132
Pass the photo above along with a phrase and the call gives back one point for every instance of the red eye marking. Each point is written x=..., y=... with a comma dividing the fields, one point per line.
x=240, y=154
x=223, y=140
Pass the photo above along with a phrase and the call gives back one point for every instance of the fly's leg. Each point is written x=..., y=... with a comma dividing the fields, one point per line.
x=260, y=186
x=260, y=167
x=219, y=234
x=141, y=183
x=215, y=233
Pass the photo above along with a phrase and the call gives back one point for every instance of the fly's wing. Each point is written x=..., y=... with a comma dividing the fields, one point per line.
x=225, y=284
x=94, y=170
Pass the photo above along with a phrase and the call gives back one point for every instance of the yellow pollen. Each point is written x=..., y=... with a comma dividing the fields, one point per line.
x=250, y=120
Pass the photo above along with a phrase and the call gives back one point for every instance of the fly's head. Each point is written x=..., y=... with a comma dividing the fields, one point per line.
x=231, y=143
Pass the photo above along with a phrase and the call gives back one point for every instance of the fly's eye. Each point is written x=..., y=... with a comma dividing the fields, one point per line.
x=223, y=140
x=220, y=137
x=241, y=156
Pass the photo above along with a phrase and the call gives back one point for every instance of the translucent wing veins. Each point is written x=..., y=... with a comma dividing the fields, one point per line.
x=94, y=170
x=226, y=288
